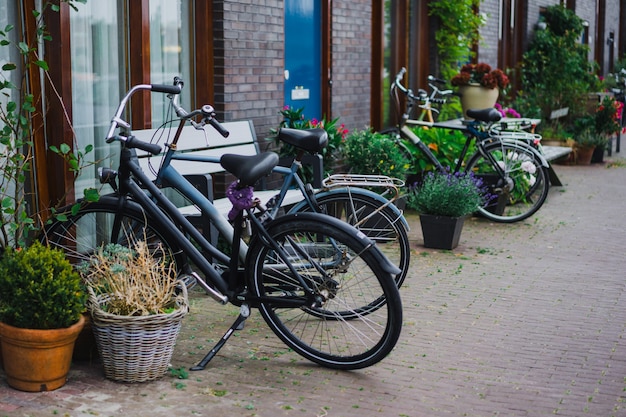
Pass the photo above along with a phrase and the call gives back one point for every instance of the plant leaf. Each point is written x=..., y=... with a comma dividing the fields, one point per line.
x=42, y=64
x=91, y=194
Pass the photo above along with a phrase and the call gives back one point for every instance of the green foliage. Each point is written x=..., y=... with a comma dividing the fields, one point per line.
x=39, y=289
x=372, y=153
x=446, y=145
x=294, y=119
x=607, y=116
x=555, y=70
x=453, y=195
x=592, y=129
x=18, y=221
x=616, y=79
x=457, y=32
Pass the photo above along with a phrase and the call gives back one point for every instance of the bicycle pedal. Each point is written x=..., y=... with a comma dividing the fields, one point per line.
x=188, y=280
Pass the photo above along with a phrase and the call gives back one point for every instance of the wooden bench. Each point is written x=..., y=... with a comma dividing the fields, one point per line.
x=552, y=153
x=204, y=175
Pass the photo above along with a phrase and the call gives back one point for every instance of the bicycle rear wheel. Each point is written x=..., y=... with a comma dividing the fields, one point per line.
x=384, y=226
x=103, y=222
x=524, y=187
x=346, y=274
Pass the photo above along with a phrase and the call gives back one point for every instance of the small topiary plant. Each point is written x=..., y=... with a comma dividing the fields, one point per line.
x=371, y=153
x=39, y=288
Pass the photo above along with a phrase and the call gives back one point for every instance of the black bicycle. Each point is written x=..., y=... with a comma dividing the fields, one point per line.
x=514, y=172
x=312, y=276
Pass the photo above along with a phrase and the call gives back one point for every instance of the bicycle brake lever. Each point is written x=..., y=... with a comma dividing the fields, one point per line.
x=200, y=126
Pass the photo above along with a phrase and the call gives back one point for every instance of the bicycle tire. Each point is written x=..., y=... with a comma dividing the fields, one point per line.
x=323, y=333
x=384, y=227
x=92, y=226
x=523, y=190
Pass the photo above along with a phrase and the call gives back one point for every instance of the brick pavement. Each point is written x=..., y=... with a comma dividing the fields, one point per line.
x=520, y=320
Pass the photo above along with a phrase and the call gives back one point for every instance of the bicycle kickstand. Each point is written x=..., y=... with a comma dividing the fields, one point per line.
x=243, y=315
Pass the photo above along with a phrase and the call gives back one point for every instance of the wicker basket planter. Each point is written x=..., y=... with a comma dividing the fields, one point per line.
x=136, y=348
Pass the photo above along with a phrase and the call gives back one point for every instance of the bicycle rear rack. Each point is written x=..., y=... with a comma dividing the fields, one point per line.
x=390, y=185
x=531, y=138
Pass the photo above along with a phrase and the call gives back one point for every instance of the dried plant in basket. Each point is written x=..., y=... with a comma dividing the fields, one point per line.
x=135, y=281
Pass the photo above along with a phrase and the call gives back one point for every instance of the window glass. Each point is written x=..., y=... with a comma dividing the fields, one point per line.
x=97, y=78
x=8, y=53
x=170, y=49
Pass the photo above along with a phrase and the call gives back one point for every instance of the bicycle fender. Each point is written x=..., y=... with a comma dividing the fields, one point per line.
x=522, y=144
x=333, y=222
x=355, y=190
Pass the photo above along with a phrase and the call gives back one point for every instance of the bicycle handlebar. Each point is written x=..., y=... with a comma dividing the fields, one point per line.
x=117, y=120
x=133, y=142
x=207, y=112
x=423, y=94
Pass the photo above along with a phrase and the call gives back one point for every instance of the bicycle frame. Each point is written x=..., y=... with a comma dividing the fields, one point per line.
x=134, y=182
x=159, y=207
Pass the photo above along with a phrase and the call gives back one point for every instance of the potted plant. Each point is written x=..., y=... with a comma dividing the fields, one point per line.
x=137, y=305
x=556, y=74
x=372, y=153
x=479, y=85
x=443, y=201
x=607, y=119
x=331, y=154
x=41, y=306
x=592, y=131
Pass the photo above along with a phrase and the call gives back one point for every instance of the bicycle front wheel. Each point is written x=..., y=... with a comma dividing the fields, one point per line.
x=345, y=273
x=523, y=188
x=103, y=222
x=383, y=226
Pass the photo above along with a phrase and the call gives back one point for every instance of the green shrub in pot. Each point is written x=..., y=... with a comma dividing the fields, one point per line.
x=39, y=289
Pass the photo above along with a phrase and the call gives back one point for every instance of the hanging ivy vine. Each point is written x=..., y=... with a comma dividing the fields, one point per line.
x=457, y=32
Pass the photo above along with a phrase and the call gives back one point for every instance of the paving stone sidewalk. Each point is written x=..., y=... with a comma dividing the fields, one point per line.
x=524, y=319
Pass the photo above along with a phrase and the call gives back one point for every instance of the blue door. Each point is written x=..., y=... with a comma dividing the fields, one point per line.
x=303, y=56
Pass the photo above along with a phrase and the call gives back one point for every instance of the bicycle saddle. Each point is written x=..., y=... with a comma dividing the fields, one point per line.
x=485, y=115
x=310, y=140
x=249, y=168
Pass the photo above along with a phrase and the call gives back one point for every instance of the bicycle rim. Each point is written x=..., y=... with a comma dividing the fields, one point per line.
x=100, y=223
x=337, y=332
x=524, y=187
x=384, y=227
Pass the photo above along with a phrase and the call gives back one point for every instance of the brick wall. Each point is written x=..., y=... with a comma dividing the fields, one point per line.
x=351, y=61
x=249, y=39
x=490, y=33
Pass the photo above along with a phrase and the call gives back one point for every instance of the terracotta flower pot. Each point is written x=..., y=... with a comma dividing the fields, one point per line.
x=584, y=154
x=38, y=360
x=477, y=97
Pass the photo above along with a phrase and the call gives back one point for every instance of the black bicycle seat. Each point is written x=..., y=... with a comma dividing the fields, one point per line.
x=249, y=168
x=485, y=115
x=311, y=140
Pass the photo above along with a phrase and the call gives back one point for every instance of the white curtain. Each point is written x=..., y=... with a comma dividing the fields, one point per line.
x=97, y=80
x=170, y=51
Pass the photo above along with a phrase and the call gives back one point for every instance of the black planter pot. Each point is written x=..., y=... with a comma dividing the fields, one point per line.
x=441, y=232
x=598, y=154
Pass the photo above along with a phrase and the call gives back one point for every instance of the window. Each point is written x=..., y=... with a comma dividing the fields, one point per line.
x=100, y=68
x=170, y=49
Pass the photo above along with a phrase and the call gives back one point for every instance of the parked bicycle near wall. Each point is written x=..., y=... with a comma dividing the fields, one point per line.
x=516, y=174
x=317, y=281
x=343, y=196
